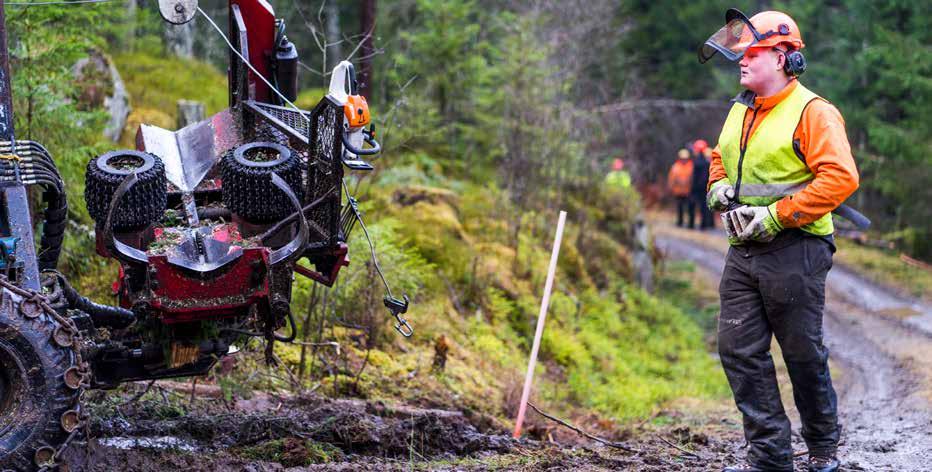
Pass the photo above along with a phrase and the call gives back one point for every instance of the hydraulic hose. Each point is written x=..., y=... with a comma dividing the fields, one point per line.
x=53, y=228
x=36, y=167
x=102, y=315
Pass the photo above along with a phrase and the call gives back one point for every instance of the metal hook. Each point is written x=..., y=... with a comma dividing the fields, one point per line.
x=397, y=308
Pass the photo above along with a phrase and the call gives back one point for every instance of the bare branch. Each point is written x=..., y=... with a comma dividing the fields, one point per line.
x=320, y=12
x=359, y=45
x=314, y=71
x=678, y=448
x=377, y=52
x=579, y=431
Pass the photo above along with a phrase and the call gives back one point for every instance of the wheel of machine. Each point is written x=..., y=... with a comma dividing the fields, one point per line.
x=142, y=205
x=248, y=190
x=36, y=403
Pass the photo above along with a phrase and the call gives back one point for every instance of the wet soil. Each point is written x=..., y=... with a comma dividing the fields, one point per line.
x=885, y=361
x=272, y=433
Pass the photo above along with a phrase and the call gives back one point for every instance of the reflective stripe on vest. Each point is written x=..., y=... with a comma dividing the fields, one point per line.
x=771, y=190
x=771, y=169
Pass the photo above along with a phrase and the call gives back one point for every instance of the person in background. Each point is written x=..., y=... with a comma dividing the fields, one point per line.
x=679, y=184
x=618, y=177
x=700, y=182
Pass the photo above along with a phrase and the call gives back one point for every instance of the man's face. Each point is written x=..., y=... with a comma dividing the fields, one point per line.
x=761, y=67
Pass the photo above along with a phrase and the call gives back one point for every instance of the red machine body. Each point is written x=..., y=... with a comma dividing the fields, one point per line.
x=259, y=21
x=179, y=295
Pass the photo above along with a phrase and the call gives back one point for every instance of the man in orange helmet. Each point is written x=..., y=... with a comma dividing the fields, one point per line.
x=782, y=164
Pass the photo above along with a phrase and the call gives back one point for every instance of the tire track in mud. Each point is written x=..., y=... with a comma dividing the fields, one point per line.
x=886, y=362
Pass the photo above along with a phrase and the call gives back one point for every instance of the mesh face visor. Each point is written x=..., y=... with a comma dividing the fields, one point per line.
x=731, y=40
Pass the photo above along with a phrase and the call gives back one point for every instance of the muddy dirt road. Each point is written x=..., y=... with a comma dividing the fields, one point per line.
x=881, y=347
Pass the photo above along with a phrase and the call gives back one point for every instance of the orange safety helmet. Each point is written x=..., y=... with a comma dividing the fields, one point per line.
x=700, y=145
x=764, y=30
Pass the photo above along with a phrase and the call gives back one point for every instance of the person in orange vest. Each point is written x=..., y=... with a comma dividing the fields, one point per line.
x=781, y=166
x=679, y=183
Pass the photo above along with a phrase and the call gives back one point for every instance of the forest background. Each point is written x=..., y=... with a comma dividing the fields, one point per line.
x=494, y=115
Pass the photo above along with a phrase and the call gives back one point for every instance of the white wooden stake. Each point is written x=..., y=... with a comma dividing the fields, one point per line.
x=544, y=304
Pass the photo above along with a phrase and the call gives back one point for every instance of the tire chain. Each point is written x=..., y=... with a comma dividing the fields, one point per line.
x=249, y=192
x=144, y=203
x=80, y=372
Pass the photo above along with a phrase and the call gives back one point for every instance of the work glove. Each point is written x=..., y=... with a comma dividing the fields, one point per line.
x=749, y=223
x=720, y=195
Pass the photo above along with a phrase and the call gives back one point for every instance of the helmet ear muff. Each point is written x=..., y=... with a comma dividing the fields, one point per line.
x=795, y=63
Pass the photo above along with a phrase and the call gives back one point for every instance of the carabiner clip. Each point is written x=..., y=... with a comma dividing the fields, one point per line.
x=398, y=308
x=403, y=327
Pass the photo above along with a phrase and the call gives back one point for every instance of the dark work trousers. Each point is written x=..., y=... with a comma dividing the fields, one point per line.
x=684, y=204
x=705, y=214
x=778, y=289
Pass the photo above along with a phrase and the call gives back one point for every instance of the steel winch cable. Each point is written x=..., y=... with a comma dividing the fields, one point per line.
x=397, y=307
x=375, y=260
x=245, y=61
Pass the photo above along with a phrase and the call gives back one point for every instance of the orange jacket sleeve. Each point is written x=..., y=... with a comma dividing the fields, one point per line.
x=824, y=144
x=716, y=169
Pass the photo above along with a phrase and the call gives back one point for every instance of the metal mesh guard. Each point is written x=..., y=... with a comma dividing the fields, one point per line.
x=324, y=146
x=325, y=173
x=294, y=122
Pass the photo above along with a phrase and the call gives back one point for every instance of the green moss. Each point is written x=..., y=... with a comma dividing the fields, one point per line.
x=157, y=82
x=308, y=98
x=292, y=452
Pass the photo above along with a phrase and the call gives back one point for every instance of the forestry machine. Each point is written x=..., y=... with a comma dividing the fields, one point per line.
x=209, y=224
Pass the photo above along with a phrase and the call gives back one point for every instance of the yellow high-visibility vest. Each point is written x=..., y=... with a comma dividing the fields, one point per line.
x=770, y=169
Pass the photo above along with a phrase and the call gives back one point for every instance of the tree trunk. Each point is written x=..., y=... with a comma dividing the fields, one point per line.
x=367, y=27
x=189, y=112
x=334, y=37
x=132, y=11
x=179, y=39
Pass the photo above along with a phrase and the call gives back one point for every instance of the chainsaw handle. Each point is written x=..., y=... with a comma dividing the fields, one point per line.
x=342, y=82
x=369, y=138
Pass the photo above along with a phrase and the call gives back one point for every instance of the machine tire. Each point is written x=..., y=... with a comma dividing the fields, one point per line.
x=34, y=396
x=143, y=205
x=248, y=190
